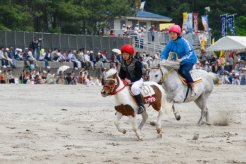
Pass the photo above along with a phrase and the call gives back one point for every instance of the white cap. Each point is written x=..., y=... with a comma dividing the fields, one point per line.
x=19, y=49
x=116, y=50
x=91, y=51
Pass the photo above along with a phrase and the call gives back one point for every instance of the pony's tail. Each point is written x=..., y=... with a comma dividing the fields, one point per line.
x=215, y=78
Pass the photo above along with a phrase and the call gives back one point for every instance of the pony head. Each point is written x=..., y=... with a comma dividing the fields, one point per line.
x=111, y=83
x=156, y=74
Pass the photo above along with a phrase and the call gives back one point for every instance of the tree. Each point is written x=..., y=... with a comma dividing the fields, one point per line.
x=241, y=26
x=66, y=16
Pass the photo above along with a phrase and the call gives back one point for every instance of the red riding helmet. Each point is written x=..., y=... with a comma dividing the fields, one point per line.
x=175, y=28
x=128, y=49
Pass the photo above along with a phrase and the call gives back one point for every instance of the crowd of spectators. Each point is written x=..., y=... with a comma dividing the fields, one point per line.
x=228, y=65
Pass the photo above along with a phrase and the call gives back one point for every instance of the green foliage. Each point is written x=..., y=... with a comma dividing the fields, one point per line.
x=65, y=16
x=241, y=26
x=86, y=16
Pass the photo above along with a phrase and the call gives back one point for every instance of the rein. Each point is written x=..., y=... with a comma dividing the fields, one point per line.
x=113, y=90
x=166, y=75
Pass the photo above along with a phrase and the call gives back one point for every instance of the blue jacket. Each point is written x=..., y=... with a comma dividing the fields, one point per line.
x=183, y=48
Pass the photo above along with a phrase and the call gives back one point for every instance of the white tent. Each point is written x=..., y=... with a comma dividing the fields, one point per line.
x=229, y=43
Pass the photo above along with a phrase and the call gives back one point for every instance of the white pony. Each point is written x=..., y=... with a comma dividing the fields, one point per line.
x=177, y=90
x=125, y=104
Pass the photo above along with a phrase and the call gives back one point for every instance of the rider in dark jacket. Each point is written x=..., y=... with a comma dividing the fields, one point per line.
x=131, y=71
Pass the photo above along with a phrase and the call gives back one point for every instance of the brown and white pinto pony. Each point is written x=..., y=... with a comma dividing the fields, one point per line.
x=125, y=104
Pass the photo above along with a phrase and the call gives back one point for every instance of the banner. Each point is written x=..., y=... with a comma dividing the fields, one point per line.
x=164, y=26
x=195, y=17
x=142, y=5
x=230, y=22
x=185, y=17
x=190, y=23
x=223, y=25
x=205, y=22
x=203, y=38
x=213, y=41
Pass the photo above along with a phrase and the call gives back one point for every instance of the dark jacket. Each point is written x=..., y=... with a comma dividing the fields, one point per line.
x=132, y=71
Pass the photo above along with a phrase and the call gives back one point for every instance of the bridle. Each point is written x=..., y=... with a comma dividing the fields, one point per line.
x=164, y=76
x=113, y=88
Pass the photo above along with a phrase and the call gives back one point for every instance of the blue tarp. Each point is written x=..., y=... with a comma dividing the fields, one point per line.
x=145, y=14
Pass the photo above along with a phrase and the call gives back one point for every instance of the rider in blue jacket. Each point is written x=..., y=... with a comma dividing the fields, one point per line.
x=186, y=54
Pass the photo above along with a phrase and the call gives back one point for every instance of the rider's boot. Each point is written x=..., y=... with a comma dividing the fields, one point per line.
x=194, y=90
x=140, y=103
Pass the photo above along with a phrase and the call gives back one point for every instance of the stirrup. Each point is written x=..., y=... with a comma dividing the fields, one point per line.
x=140, y=109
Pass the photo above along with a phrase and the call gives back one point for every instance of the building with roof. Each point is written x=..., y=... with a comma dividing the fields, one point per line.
x=143, y=18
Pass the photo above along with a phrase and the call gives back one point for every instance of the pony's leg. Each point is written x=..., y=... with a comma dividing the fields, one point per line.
x=134, y=127
x=207, y=116
x=202, y=104
x=145, y=117
x=117, y=123
x=158, y=124
x=176, y=113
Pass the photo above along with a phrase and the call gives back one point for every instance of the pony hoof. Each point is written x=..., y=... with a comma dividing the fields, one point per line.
x=178, y=118
x=152, y=123
x=140, y=139
x=124, y=131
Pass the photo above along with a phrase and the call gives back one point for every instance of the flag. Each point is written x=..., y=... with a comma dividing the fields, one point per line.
x=195, y=17
x=223, y=25
x=222, y=53
x=190, y=22
x=213, y=41
x=142, y=5
x=230, y=22
x=205, y=22
x=185, y=17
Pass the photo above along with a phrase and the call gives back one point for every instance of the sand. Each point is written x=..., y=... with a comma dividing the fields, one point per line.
x=74, y=124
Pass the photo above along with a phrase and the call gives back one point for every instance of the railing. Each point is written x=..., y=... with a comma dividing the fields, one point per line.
x=62, y=41
x=155, y=41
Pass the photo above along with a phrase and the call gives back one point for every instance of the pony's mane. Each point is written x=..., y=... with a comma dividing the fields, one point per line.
x=111, y=72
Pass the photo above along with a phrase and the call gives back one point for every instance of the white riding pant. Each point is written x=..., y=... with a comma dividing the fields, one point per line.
x=136, y=87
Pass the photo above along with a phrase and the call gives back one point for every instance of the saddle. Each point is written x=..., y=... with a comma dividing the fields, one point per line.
x=147, y=92
x=184, y=81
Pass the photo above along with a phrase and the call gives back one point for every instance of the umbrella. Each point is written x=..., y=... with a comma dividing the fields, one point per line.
x=116, y=50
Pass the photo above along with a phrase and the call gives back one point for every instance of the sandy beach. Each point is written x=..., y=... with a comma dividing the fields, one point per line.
x=74, y=124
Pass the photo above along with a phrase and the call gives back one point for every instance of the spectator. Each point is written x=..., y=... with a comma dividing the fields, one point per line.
x=216, y=68
x=10, y=77
x=81, y=77
x=42, y=54
x=47, y=57
x=11, y=53
x=62, y=57
x=18, y=54
x=152, y=32
x=2, y=77
x=111, y=34
x=50, y=78
x=80, y=56
x=72, y=58
x=88, y=62
x=34, y=46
